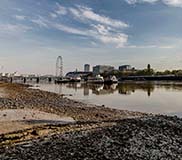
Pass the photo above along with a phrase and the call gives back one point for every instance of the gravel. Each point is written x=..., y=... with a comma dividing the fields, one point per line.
x=129, y=135
x=20, y=97
x=149, y=138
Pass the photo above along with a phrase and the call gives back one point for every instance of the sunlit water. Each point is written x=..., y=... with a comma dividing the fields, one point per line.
x=151, y=97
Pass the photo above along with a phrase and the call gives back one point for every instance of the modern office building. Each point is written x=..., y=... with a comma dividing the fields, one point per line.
x=99, y=69
x=86, y=68
x=125, y=68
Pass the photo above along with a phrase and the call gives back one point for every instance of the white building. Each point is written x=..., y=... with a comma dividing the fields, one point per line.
x=99, y=69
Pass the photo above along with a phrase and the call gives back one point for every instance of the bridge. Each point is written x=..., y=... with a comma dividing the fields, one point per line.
x=25, y=79
x=37, y=79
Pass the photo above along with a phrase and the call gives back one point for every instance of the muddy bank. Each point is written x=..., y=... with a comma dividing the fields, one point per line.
x=19, y=119
x=153, y=138
x=97, y=132
x=22, y=108
x=20, y=97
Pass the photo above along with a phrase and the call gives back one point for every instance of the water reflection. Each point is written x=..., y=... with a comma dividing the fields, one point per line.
x=125, y=88
x=129, y=88
x=97, y=89
x=151, y=97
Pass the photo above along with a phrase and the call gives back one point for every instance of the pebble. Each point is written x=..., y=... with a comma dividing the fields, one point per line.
x=138, y=138
x=130, y=139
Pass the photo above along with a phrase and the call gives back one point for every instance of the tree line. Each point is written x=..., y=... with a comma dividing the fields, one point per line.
x=142, y=72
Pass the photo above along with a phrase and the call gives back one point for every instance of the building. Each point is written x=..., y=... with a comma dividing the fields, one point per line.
x=86, y=68
x=78, y=74
x=99, y=69
x=125, y=68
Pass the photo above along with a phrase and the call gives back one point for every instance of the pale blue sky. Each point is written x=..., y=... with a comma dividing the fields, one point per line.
x=115, y=32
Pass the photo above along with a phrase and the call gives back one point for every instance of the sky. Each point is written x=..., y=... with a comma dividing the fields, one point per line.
x=112, y=32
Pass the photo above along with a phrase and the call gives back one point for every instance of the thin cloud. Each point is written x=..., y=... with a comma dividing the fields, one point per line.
x=61, y=10
x=167, y=47
x=41, y=22
x=20, y=17
x=13, y=29
x=120, y=40
x=150, y=46
x=174, y=3
x=100, y=28
x=18, y=9
x=140, y=1
x=106, y=35
x=53, y=15
x=107, y=38
x=85, y=13
x=68, y=29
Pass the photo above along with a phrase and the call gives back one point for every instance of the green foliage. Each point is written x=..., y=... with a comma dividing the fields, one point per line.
x=143, y=72
x=168, y=72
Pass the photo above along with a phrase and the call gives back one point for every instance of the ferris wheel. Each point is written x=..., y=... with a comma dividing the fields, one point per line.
x=59, y=67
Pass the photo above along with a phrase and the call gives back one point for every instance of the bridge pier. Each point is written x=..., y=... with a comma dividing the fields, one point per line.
x=49, y=79
x=37, y=79
x=11, y=79
x=24, y=80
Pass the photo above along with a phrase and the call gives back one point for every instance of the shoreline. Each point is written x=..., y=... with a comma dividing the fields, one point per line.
x=19, y=97
x=98, y=131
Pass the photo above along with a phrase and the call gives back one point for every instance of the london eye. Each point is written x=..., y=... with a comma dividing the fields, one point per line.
x=59, y=67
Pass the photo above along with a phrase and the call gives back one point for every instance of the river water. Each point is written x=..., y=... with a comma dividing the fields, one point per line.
x=150, y=97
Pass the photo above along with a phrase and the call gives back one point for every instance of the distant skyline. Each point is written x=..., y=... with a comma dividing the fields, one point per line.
x=136, y=32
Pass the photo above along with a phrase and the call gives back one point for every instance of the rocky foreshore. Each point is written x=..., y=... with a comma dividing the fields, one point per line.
x=98, y=132
x=150, y=138
x=21, y=96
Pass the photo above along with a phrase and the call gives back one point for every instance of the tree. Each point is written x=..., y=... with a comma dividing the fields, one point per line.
x=148, y=68
x=167, y=72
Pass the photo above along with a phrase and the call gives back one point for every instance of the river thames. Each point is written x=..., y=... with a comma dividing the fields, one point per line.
x=150, y=97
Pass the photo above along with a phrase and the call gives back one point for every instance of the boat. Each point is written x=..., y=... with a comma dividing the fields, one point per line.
x=62, y=80
x=68, y=80
x=96, y=79
x=75, y=79
x=110, y=80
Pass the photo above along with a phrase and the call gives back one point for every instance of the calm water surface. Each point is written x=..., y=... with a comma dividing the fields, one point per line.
x=151, y=97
